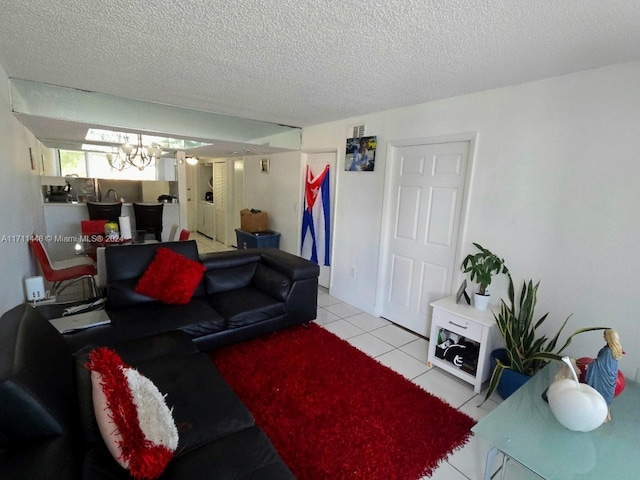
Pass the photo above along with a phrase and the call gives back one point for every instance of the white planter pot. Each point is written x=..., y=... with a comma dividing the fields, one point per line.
x=481, y=302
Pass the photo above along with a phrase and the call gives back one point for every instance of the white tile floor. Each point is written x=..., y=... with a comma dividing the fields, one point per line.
x=406, y=353
x=207, y=245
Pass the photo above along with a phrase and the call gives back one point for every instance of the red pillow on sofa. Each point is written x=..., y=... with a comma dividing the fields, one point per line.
x=170, y=277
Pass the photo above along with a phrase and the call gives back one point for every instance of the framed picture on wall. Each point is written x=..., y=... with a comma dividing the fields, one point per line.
x=361, y=154
x=264, y=165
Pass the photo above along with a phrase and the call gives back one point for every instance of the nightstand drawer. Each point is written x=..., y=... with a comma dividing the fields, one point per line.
x=459, y=325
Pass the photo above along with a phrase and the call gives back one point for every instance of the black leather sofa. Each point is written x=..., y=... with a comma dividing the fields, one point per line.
x=47, y=425
x=243, y=294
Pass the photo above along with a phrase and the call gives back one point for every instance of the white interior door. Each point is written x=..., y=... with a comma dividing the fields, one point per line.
x=238, y=198
x=220, y=200
x=192, y=199
x=426, y=193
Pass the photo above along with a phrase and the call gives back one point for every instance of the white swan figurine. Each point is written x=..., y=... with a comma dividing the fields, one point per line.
x=577, y=406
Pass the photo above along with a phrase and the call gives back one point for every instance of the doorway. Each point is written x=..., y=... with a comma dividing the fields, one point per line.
x=425, y=197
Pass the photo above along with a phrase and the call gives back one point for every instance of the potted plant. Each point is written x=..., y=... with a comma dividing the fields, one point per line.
x=483, y=266
x=526, y=351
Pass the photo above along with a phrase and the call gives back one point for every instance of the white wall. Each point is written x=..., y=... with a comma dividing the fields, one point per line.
x=278, y=193
x=554, y=190
x=21, y=211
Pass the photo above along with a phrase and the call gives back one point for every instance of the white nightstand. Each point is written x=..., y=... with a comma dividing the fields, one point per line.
x=480, y=333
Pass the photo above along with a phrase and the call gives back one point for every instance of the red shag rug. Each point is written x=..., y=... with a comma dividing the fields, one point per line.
x=334, y=413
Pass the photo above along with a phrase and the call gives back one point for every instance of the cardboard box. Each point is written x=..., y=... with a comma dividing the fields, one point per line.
x=255, y=221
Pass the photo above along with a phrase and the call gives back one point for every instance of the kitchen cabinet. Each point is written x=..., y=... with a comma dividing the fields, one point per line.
x=206, y=219
x=462, y=339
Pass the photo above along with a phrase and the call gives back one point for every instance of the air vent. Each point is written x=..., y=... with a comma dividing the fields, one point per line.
x=358, y=131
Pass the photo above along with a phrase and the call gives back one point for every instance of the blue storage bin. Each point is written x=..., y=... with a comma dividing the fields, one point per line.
x=265, y=239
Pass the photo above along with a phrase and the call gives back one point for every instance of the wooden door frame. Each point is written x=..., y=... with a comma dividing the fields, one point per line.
x=387, y=210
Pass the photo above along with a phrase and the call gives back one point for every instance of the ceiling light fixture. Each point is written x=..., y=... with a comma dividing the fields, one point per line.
x=116, y=161
x=137, y=156
x=192, y=160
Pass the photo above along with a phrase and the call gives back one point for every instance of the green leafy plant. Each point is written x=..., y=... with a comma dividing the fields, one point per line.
x=527, y=350
x=483, y=266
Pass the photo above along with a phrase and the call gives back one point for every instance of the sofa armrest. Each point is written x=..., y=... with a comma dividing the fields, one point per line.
x=36, y=389
x=294, y=267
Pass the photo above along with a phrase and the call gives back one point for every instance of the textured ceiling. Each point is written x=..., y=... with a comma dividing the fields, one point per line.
x=302, y=63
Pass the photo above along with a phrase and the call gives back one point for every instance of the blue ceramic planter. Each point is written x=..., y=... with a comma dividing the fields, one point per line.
x=510, y=381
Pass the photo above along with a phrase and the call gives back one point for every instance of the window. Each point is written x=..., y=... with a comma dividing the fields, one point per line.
x=95, y=165
x=99, y=168
x=72, y=163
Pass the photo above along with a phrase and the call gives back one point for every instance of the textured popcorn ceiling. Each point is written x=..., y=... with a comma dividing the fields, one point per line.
x=306, y=62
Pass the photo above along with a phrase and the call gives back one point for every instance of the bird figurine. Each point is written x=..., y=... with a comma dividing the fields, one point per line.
x=575, y=405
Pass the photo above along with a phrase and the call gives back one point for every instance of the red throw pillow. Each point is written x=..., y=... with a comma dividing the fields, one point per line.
x=170, y=277
x=133, y=418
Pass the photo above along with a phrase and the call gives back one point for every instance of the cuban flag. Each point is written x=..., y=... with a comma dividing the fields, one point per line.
x=316, y=218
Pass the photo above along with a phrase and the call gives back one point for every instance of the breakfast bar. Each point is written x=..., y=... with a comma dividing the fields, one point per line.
x=62, y=221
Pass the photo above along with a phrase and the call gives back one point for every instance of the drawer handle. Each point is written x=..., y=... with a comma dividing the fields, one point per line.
x=464, y=327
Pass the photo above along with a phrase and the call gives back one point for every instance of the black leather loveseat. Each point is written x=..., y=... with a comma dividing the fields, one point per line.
x=243, y=294
x=47, y=423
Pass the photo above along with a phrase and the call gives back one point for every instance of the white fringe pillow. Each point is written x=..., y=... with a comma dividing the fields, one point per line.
x=132, y=415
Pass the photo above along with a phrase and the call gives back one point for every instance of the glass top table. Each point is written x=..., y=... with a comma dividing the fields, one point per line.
x=524, y=428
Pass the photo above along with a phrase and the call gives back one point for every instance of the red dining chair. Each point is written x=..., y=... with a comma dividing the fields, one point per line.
x=184, y=234
x=64, y=273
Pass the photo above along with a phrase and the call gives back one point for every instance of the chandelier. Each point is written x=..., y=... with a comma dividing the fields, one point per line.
x=137, y=156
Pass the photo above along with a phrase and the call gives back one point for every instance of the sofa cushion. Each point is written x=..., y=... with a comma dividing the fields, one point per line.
x=122, y=294
x=272, y=282
x=196, y=318
x=130, y=261
x=225, y=279
x=45, y=458
x=132, y=352
x=233, y=258
x=248, y=454
x=171, y=278
x=205, y=407
x=132, y=415
x=246, y=306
